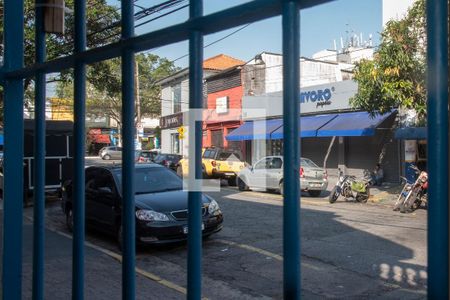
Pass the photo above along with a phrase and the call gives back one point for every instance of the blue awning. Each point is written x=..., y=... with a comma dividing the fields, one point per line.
x=411, y=133
x=255, y=130
x=352, y=124
x=308, y=126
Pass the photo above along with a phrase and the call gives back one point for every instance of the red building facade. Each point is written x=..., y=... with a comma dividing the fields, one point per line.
x=224, y=107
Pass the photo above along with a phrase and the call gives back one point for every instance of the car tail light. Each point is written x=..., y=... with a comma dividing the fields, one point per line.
x=213, y=163
x=302, y=172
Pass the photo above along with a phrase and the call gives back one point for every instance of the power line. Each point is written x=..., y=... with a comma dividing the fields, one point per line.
x=216, y=41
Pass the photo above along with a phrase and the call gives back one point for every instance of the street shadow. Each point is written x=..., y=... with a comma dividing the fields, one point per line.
x=339, y=245
x=340, y=259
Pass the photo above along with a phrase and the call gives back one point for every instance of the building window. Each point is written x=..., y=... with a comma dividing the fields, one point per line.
x=175, y=143
x=176, y=97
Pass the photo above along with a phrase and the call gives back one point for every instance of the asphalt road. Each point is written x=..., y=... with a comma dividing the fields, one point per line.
x=349, y=250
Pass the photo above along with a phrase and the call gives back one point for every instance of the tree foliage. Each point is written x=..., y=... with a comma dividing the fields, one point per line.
x=104, y=91
x=103, y=27
x=396, y=75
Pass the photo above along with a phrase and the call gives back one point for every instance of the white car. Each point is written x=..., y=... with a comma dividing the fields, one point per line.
x=267, y=173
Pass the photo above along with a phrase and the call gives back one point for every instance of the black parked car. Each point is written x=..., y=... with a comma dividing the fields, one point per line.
x=168, y=160
x=161, y=204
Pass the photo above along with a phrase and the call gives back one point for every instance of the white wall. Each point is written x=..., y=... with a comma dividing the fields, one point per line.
x=166, y=105
x=274, y=72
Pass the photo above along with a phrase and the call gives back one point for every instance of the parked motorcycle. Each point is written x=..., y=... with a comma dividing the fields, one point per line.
x=413, y=194
x=348, y=187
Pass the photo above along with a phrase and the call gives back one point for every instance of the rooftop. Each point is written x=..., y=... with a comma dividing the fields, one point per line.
x=221, y=62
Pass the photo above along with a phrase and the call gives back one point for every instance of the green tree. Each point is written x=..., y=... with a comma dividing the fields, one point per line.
x=104, y=91
x=103, y=27
x=396, y=75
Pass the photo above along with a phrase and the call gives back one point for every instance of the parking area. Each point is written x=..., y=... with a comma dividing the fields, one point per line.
x=349, y=250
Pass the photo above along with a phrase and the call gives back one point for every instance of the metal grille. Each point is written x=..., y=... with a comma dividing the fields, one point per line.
x=13, y=74
x=181, y=215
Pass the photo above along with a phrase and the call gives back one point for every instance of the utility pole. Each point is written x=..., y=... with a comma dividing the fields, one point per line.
x=138, y=106
x=137, y=96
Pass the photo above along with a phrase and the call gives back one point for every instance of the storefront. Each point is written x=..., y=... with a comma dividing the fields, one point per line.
x=170, y=126
x=355, y=141
x=414, y=149
x=223, y=108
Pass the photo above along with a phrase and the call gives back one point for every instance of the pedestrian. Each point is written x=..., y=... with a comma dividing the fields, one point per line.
x=377, y=175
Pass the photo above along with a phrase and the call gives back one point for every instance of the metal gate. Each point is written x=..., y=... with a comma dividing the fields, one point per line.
x=13, y=74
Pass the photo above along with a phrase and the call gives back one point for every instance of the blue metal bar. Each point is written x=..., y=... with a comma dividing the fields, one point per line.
x=13, y=150
x=438, y=207
x=194, y=280
x=128, y=134
x=291, y=114
x=246, y=13
x=79, y=147
x=39, y=160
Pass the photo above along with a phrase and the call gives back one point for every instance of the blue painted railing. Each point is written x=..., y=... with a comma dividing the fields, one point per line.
x=13, y=74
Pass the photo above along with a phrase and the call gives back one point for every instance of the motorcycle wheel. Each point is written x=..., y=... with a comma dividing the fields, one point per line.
x=407, y=205
x=363, y=197
x=400, y=199
x=334, y=195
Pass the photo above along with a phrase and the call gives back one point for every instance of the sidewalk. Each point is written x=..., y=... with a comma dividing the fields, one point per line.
x=103, y=270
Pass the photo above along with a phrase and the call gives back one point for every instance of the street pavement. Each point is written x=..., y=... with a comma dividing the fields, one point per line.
x=349, y=251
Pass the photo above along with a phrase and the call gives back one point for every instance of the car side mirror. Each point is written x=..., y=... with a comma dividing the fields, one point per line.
x=105, y=190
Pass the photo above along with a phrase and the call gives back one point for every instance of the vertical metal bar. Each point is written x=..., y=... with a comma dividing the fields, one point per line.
x=13, y=149
x=39, y=159
x=438, y=210
x=79, y=151
x=291, y=115
x=194, y=290
x=128, y=134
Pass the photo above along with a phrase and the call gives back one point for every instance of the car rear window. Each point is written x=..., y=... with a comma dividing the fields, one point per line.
x=229, y=156
x=145, y=154
x=209, y=154
x=308, y=163
x=159, y=158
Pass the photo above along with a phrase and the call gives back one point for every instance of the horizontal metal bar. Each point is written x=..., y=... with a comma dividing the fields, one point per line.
x=243, y=14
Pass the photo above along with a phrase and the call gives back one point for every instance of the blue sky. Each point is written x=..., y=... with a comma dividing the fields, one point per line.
x=320, y=25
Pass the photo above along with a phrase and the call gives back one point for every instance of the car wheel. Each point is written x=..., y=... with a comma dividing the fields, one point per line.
x=232, y=181
x=242, y=186
x=106, y=157
x=314, y=193
x=281, y=189
x=69, y=220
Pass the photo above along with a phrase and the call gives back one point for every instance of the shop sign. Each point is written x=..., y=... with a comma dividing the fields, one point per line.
x=410, y=150
x=171, y=121
x=181, y=130
x=320, y=97
x=314, y=99
x=222, y=105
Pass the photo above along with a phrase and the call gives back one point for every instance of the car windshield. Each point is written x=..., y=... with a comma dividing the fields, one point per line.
x=153, y=180
x=308, y=163
x=229, y=156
